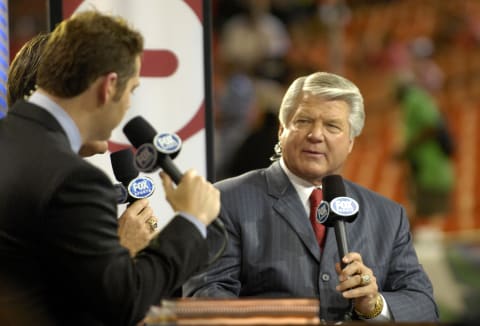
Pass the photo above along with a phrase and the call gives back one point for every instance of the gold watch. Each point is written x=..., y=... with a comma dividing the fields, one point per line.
x=376, y=310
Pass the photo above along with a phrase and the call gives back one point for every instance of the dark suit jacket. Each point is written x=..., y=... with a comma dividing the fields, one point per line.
x=273, y=252
x=58, y=233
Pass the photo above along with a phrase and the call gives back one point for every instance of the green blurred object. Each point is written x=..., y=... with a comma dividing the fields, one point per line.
x=464, y=259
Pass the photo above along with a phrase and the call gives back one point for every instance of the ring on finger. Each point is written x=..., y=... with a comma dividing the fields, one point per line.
x=152, y=221
x=364, y=279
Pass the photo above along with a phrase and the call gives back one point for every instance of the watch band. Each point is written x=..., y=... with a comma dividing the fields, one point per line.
x=376, y=310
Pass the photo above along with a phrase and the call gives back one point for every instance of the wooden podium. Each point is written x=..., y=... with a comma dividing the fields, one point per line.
x=242, y=311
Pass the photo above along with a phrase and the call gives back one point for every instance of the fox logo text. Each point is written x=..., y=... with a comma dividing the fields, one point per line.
x=167, y=143
x=344, y=206
x=141, y=187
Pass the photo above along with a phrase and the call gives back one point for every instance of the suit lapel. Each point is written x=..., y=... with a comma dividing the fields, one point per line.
x=289, y=207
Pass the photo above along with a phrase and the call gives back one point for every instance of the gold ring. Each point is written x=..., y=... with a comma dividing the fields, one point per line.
x=152, y=221
x=364, y=279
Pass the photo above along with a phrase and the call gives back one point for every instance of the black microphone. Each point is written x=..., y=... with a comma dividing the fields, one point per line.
x=154, y=150
x=335, y=209
x=132, y=186
x=340, y=209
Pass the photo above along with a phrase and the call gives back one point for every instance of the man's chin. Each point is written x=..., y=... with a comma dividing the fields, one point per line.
x=93, y=147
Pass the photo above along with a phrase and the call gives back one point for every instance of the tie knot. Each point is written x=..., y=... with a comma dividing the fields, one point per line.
x=316, y=198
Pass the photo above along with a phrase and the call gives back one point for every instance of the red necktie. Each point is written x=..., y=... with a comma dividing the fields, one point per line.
x=318, y=228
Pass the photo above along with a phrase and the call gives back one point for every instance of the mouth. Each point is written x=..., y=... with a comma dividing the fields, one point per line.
x=311, y=152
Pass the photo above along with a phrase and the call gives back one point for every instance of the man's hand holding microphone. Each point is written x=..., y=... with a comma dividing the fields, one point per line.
x=193, y=195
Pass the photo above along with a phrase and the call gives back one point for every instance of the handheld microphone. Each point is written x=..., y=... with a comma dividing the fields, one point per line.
x=340, y=209
x=131, y=186
x=155, y=151
x=337, y=209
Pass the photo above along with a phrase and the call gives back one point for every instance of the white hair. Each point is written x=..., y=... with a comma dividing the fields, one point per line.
x=326, y=86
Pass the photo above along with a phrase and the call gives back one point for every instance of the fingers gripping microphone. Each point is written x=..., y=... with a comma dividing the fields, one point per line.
x=154, y=150
x=157, y=151
x=131, y=186
x=335, y=211
x=340, y=209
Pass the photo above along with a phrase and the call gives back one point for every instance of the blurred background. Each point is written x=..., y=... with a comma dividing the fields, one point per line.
x=387, y=48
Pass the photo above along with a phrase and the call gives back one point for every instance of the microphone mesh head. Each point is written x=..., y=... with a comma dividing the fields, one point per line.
x=332, y=187
x=123, y=166
x=139, y=131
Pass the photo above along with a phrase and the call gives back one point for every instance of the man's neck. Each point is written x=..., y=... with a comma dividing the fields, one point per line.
x=43, y=100
x=77, y=108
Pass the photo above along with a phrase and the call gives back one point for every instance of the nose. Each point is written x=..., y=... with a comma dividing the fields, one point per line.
x=316, y=133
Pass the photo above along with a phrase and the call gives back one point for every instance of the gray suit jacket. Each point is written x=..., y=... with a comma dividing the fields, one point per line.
x=272, y=250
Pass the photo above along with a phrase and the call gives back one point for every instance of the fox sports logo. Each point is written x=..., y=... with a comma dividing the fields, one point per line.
x=145, y=159
x=141, y=187
x=344, y=206
x=167, y=143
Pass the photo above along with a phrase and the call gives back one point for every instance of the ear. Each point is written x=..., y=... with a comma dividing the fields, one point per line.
x=350, y=146
x=108, y=87
x=280, y=130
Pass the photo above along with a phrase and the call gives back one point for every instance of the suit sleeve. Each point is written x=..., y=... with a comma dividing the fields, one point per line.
x=221, y=279
x=408, y=290
x=85, y=255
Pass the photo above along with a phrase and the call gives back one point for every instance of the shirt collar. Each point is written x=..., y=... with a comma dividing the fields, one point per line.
x=304, y=189
x=68, y=125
